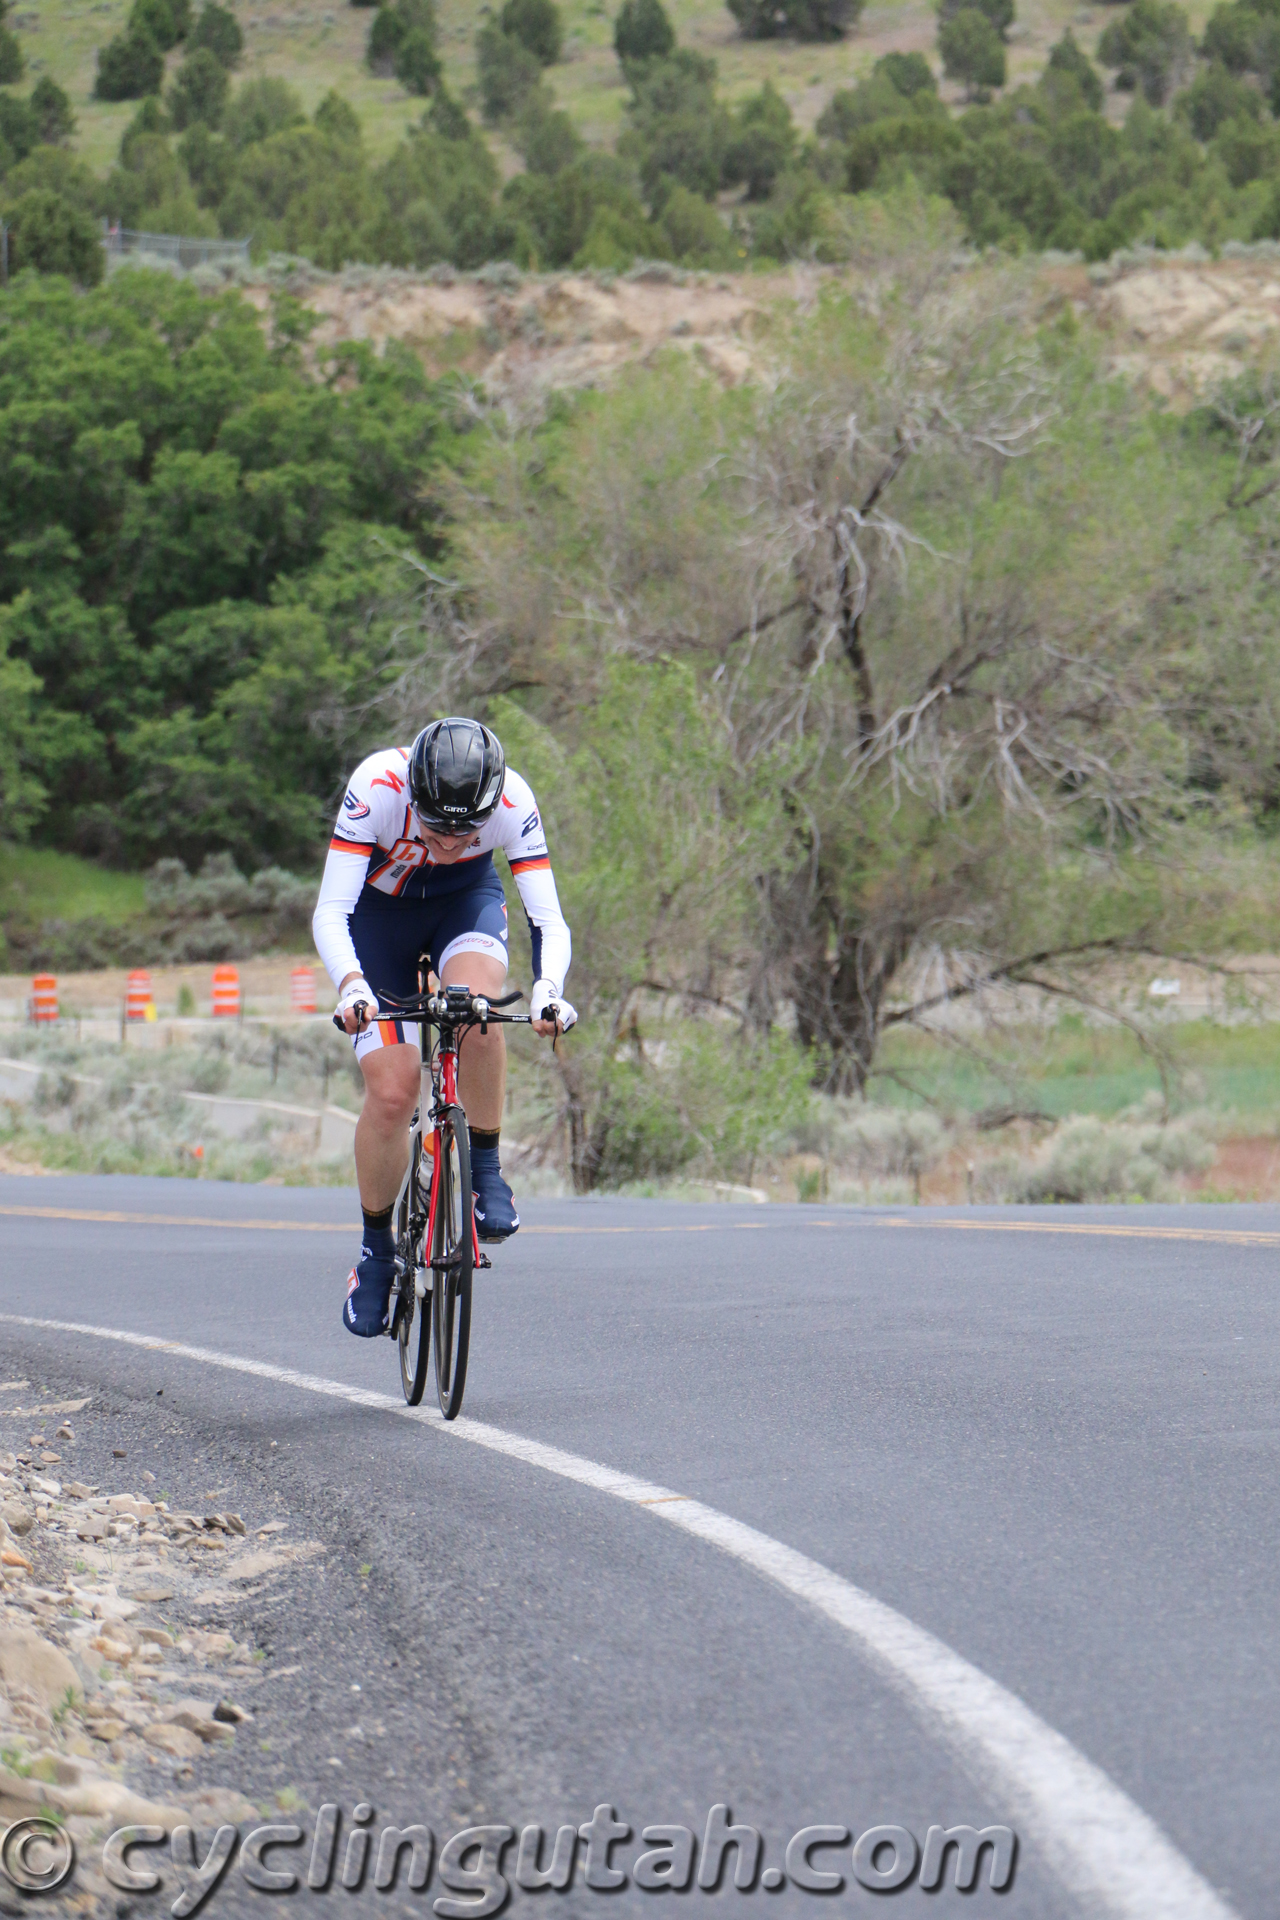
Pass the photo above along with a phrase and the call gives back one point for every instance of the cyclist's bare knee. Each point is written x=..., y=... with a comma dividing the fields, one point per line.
x=392, y=1082
x=479, y=971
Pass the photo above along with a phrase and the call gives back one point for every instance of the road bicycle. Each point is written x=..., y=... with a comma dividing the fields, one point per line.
x=437, y=1247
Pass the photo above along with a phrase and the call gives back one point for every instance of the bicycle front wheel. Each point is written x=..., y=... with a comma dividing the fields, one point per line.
x=452, y=1261
x=413, y=1316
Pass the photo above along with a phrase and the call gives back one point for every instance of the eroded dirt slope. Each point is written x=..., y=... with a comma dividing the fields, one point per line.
x=1181, y=324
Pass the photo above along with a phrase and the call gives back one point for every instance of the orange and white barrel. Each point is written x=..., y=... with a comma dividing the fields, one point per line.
x=138, y=995
x=44, y=997
x=302, y=990
x=226, y=993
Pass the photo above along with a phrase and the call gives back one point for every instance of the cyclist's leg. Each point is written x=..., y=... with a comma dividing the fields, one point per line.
x=471, y=949
x=387, y=943
x=392, y=1081
x=482, y=1057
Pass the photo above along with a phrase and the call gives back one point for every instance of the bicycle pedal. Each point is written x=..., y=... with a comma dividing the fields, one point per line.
x=485, y=1261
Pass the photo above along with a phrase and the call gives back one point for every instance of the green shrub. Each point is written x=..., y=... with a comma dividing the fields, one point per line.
x=259, y=109
x=1066, y=56
x=643, y=31
x=694, y=233
x=62, y=173
x=999, y=12
x=1248, y=150
x=935, y=137
x=129, y=67
x=393, y=25
x=199, y=91
x=338, y=120
x=1150, y=48
x=546, y=136
x=166, y=21
x=972, y=50
x=507, y=71
x=55, y=122
x=894, y=1142
x=1214, y=97
x=417, y=64
x=850, y=109
x=218, y=32
x=150, y=118
x=11, y=61
x=679, y=130
x=908, y=73
x=537, y=25
x=222, y=470
x=1095, y=1160
x=801, y=19
x=210, y=162
x=616, y=239
x=761, y=143
x=54, y=236
x=19, y=126
x=1245, y=39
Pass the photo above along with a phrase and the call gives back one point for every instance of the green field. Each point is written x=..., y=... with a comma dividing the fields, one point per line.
x=37, y=884
x=1073, y=1068
x=316, y=48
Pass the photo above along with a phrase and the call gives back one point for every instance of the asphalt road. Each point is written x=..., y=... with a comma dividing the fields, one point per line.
x=1054, y=1450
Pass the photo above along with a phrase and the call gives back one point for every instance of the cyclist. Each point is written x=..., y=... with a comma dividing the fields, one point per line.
x=410, y=871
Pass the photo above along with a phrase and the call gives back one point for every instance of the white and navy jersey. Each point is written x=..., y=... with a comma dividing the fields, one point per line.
x=377, y=844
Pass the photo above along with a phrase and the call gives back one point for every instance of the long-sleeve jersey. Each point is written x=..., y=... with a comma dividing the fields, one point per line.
x=377, y=843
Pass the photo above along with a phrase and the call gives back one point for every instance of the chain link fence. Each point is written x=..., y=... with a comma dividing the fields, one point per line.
x=178, y=252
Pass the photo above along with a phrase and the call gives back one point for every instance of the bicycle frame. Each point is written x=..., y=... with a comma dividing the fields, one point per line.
x=455, y=1011
x=444, y=1093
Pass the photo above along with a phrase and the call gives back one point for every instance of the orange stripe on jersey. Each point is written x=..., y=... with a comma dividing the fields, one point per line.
x=362, y=847
x=530, y=866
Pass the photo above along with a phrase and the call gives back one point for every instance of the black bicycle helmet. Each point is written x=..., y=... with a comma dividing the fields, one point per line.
x=456, y=771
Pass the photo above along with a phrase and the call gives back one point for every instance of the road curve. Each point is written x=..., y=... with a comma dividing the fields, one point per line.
x=841, y=1517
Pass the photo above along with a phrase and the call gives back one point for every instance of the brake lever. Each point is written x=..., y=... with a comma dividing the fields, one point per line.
x=359, y=1008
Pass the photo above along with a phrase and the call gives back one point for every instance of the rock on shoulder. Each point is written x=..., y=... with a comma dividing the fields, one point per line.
x=27, y=1660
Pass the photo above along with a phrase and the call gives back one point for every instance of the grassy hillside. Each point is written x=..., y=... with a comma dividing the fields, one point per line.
x=38, y=884
x=318, y=47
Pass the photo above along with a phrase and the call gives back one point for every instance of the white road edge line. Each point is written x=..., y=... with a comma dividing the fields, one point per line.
x=1109, y=1854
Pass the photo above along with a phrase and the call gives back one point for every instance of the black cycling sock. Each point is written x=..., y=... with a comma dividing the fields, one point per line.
x=378, y=1237
x=482, y=1137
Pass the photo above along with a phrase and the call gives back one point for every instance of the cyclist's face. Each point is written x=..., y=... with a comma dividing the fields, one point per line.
x=448, y=847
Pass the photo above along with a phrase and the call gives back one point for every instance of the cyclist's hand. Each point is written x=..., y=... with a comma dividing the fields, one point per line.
x=357, y=1006
x=549, y=1010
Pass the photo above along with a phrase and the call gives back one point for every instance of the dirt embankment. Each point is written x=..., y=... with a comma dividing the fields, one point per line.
x=1180, y=323
x=550, y=331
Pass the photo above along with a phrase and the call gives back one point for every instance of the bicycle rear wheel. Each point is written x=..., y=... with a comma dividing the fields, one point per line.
x=452, y=1261
x=412, y=1315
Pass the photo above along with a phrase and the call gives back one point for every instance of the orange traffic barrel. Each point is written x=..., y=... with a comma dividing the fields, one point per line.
x=302, y=990
x=226, y=993
x=44, y=997
x=138, y=995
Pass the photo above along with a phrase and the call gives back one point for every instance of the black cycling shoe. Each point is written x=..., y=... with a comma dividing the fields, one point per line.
x=495, y=1206
x=366, y=1307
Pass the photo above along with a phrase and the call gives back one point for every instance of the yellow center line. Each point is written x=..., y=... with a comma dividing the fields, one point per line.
x=180, y=1220
x=1223, y=1236
x=1229, y=1236
x=102, y=1217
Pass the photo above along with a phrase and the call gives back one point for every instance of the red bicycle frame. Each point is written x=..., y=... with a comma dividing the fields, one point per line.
x=446, y=1094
